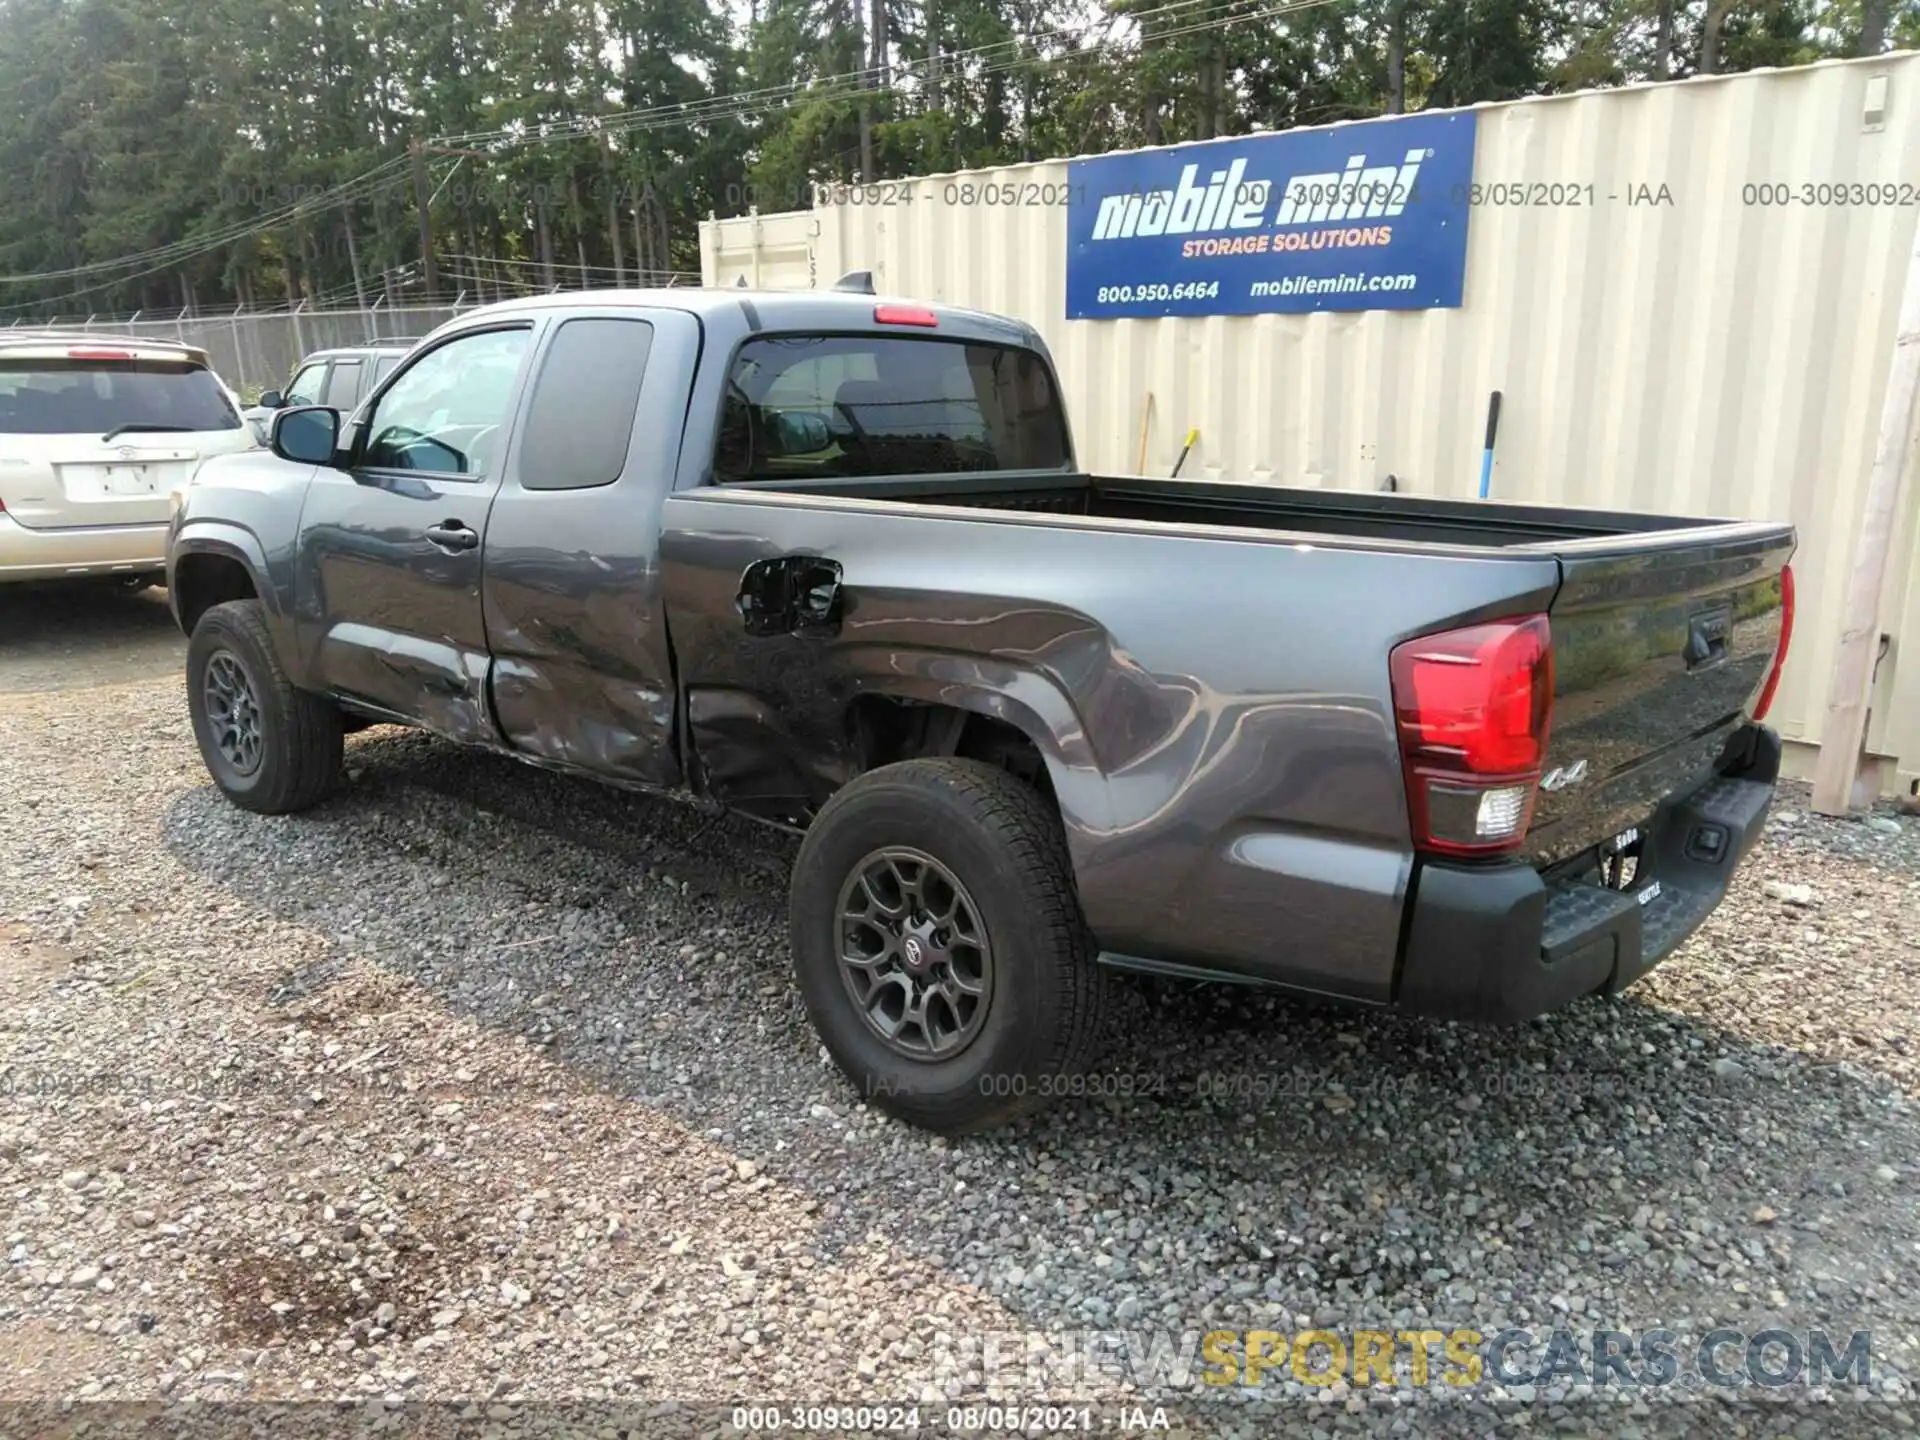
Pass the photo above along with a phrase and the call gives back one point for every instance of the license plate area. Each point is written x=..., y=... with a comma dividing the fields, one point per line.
x=137, y=474
x=1620, y=865
x=114, y=482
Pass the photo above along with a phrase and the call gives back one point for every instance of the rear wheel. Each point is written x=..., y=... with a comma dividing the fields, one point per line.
x=269, y=747
x=939, y=945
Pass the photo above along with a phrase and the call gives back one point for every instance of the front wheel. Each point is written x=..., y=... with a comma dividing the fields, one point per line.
x=270, y=747
x=939, y=945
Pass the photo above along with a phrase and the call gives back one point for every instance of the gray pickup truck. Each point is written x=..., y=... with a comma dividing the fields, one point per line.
x=827, y=560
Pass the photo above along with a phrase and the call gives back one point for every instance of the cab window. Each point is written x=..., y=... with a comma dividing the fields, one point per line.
x=829, y=406
x=446, y=410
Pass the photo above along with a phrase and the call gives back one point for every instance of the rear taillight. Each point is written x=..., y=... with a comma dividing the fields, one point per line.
x=1765, y=702
x=1472, y=707
x=99, y=354
x=905, y=315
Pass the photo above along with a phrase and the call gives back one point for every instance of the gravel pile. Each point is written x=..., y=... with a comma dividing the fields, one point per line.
x=482, y=1083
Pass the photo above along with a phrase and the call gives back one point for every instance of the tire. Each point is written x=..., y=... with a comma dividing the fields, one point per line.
x=296, y=756
x=1044, y=1006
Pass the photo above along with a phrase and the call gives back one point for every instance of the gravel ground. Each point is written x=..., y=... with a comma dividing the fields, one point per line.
x=482, y=1084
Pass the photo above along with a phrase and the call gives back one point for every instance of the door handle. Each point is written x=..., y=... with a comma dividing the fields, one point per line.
x=452, y=535
x=792, y=595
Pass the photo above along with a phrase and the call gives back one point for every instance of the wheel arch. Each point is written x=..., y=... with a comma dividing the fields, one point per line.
x=1004, y=714
x=782, y=751
x=211, y=564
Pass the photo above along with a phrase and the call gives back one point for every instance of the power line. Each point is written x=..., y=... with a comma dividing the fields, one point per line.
x=850, y=84
x=746, y=105
x=460, y=257
x=830, y=90
x=174, y=261
x=347, y=190
x=747, y=101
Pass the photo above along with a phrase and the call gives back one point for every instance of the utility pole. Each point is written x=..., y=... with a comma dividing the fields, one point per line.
x=1397, y=56
x=874, y=65
x=353, y=257
x=932, y=26
x=423, y=202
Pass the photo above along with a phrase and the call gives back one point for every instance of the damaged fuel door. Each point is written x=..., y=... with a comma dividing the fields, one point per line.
x=790, y=595
x=766, y=698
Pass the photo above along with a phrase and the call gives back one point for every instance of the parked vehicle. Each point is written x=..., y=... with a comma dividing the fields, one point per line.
x=827, y=560
x=340, y=377
x=96, y=434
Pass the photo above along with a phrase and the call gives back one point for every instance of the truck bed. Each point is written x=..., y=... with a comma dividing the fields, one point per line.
x=1664, y=628
x=1360, y=515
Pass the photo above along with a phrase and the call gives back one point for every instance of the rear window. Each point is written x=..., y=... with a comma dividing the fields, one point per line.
x=92, y=397
x=827, y=406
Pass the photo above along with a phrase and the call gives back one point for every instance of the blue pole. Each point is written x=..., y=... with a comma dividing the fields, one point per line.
x=1486, y=455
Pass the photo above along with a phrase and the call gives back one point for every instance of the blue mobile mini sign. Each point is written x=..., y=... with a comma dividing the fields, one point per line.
x=1362, y=217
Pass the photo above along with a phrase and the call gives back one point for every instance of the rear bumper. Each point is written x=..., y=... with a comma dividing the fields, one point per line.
x=98, y=550
x=1502, y=944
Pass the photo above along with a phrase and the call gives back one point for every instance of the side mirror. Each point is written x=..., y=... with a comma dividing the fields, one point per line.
x=271, y=400
x=798, y=432
x=306, y=434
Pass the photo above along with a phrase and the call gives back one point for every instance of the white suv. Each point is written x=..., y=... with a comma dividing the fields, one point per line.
x=96, y=435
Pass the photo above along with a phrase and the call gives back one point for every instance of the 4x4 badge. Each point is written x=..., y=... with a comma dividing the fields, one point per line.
x=1561, y=776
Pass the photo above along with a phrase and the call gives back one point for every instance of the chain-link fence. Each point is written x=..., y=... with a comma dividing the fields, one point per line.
x=254, y=352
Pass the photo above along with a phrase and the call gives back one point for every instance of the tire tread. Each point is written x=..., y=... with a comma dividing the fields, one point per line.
x=1013, y=816
x=312, y=752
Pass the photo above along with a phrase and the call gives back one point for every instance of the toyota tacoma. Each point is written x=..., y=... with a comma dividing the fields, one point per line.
x=828, y=560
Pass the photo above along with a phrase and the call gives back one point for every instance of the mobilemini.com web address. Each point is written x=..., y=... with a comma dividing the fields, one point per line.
x=1348, y=284
x=1462, y=1360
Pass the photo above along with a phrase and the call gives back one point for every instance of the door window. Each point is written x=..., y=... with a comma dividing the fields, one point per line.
x=446, y=410
x=304, y=388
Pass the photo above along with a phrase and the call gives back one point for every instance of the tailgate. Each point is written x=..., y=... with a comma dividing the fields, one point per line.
x=1661, y=645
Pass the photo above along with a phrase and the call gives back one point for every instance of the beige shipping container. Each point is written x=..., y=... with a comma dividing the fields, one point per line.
x=1711, y=335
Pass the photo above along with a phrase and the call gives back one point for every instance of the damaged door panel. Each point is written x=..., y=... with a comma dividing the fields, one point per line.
x=583, y=673
x=388, y=582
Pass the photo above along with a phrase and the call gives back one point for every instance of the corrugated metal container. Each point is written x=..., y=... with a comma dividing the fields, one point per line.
x=1703, y=353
